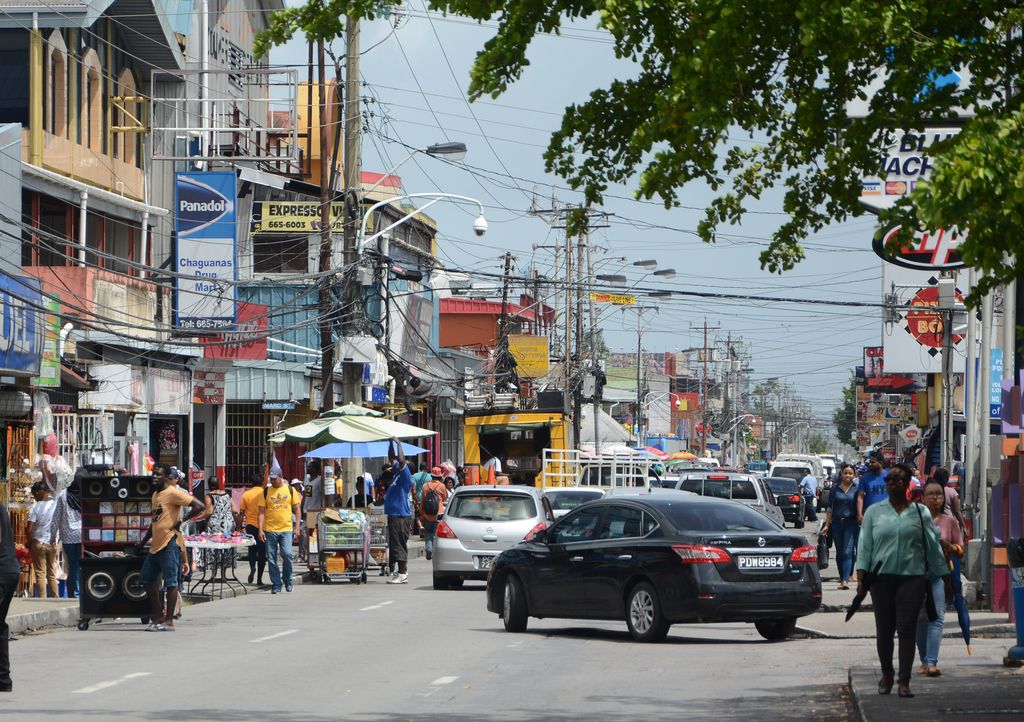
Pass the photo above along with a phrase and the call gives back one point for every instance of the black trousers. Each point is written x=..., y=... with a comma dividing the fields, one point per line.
x=8, y=588
x=897, y=600
x=257, y=553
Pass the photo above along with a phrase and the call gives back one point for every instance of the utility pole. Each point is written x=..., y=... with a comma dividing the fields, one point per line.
x=704, y=390
x=596, y=409
x=351, y=121
x=567, y=362
x=577, y=397
x=326, y=305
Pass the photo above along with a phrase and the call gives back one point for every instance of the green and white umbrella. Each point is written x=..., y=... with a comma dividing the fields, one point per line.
x=350, y=423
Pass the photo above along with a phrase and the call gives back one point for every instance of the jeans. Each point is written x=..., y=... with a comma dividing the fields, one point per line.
x=429, y=532
x=279, y=540
x=810, y=503
x=8, y=588
x=165, y=563
x=72, y=556
x=929, y=634
x=44, y=565
x=257, y=552
x=844, y=536
x=896, y=600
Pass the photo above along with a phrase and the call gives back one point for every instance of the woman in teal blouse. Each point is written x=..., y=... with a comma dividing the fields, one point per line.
x=894, y=547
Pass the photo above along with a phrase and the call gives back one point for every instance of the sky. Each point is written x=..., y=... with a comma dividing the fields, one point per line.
x=415, y=80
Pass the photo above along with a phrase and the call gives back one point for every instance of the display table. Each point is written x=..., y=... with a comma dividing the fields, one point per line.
x=216, y=575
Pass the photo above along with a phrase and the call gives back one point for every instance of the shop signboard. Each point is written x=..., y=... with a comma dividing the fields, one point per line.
x=929, y=250
x=21, y=327
x=619, y=299
x=905, y=162
x=295, y=217
x=913, y=340
x=204, y=221
x=530, y=353
x=995, y=392
x=49, y=368
x=249, y=339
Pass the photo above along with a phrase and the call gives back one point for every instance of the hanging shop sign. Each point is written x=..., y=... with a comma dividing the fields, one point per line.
x=294, y=217
x=21, y=327
x=619, y=299
x=910, y=434
x=530, y=353
x=249, y=339
x=930, y=250
x=49, y=368
x=204, y=219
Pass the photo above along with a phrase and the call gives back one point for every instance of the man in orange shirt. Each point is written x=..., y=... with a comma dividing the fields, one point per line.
x=431, y=502
x=250, y=510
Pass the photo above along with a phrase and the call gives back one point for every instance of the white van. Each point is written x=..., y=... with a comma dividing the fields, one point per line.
x=791, y=466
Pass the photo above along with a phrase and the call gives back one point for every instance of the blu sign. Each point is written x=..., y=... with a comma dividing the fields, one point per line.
x=21, y=328
x=995, y=386
x=204, y=219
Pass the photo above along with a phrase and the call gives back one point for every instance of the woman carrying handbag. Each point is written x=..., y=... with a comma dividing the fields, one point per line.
x=947, y=531
x=893, y=545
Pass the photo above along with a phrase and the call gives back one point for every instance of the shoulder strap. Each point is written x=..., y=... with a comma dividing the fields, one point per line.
x=924, y=540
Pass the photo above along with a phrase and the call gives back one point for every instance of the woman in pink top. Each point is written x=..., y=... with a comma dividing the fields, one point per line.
x=946, y=529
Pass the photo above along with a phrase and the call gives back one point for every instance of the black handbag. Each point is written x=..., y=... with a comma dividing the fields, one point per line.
x=823, y=551
x=930, y=608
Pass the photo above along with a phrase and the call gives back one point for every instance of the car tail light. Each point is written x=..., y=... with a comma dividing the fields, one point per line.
x=804, y=554
x=532, y=534
x=444, y=531
x=698, y=554
x=795, y=499
x=717, y=477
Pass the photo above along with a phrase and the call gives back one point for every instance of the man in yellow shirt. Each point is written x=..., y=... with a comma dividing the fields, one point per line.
x=250, y=510
x=278, y=514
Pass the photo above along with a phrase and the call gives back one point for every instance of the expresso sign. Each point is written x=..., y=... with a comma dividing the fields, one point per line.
x=928, y=251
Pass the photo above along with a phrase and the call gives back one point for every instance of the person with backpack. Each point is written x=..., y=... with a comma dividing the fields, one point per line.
x=433, y=496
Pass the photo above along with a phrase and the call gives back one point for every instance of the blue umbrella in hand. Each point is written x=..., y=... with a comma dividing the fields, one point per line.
x=960, y=605
x=865, y=586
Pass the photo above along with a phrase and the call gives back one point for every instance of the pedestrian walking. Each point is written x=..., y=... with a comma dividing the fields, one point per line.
x=44, y=554
x=947, y=532
x=809, y=489
x=10, y=573
x=896, y=550
x=278, y=527
x=164, y=557
x=432, y=501
x=66, y=525
x=951, y=507
x=841, y=522
x=249, y=508
x=419, y=479
x=871, y=487
x=399, y=513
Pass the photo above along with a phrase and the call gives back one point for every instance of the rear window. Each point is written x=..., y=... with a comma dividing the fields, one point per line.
x=492, y=507
x=717, y=517
x=782, y=486
x=568, y=500
x=721, y=488
x=790, y=472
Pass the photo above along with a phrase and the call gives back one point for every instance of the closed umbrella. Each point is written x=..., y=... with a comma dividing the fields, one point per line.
x=858, y=599
x=359, y=450
x=960, y=604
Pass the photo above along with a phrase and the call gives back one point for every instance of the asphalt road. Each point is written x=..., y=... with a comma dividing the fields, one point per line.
x=383, y=652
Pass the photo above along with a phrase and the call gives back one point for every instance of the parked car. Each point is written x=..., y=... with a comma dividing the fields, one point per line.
x=788, y=498
x=745, y=488
x=564, y=499
x=655, y=560
x=479, y=523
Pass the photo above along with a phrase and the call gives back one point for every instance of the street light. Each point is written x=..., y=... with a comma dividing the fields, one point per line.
x=479, y=225
x=647, y=263
x=452, y=151
x=614, y=279
x=665, y=273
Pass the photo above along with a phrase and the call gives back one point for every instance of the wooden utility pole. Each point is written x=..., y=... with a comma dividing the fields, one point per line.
x=704, y=391
x=326, y=305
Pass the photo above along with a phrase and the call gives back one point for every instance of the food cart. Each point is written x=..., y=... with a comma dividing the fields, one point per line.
x=343, y=545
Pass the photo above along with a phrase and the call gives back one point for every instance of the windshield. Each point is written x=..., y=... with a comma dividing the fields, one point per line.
x=717, y=517
x=782, y=486
x=568, y=500
x=495, y=506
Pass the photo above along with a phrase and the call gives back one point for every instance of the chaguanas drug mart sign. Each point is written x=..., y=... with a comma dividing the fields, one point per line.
x=204, y=218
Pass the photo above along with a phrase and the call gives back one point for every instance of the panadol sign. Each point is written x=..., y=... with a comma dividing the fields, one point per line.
x=204, y=218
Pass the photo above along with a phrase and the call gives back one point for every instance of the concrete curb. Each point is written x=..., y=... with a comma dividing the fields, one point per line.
x=855, y=696
x=29, y=621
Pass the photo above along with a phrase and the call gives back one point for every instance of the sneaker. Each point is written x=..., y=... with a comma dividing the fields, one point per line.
x=399, y=579
x=288, y=588
x=430, y=555
x=157, y=628
x=275, y=590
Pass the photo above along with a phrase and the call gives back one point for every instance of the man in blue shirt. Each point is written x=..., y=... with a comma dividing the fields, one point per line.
x=871, y=486
x=399, y=513
x=809, y=488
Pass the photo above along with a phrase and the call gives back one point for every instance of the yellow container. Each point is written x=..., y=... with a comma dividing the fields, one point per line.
x=334, y=565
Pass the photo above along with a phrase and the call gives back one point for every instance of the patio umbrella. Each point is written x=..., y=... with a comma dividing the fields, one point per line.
x=655, y=451
x=681, y=456
x=359, y=450
x=350, y=423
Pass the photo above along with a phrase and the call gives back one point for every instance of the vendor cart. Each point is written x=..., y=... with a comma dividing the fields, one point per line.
x=343, y=539
x=379, y=540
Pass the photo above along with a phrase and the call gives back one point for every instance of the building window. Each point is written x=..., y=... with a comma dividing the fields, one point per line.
x=92, y=112
x=52, y=241
x=280, y=254
x=56, y=113
x=125, y=141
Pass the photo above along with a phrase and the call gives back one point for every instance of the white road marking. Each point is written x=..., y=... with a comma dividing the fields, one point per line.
x=376, y=606
x=273, y=636
x=111, y=683
x=444, y=680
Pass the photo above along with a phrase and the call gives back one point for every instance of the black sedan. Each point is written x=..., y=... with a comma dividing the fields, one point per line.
x=656, y=560
x=788, y=498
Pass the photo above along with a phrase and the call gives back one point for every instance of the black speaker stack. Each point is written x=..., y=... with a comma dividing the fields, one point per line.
x=116, y=512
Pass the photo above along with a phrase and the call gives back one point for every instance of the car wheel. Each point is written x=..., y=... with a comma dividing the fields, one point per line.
x=775, y=629
x=643, y=614
x=513, y=611
x=442, y=582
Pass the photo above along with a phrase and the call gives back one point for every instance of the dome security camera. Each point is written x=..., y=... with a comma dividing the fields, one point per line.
x=480, y=225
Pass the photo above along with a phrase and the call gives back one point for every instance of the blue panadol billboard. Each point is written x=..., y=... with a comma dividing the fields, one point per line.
x=21, y=329
x=204, y=218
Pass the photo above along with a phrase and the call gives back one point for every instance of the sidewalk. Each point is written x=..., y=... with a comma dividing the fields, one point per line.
x=28, y=614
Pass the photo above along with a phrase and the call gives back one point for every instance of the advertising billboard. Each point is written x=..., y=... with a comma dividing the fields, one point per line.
x=913, y=342
x=21, y=327
x=204, y=220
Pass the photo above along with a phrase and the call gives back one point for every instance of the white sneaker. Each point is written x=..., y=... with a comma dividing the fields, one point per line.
x=399, y=579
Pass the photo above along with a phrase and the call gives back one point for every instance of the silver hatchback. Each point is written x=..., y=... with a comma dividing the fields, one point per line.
x=479, y=523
